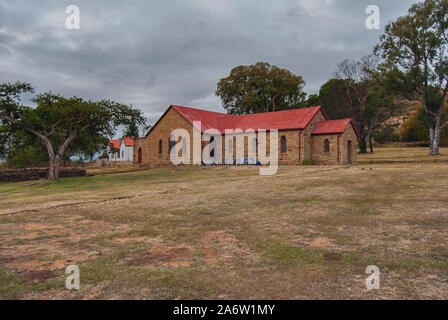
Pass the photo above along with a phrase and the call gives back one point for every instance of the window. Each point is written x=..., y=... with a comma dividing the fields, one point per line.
x=326, y=146
x=160, y=147
x=283, y=147
x=171, y=143
x=122, y=154
x=212, y=151
x=255, y=145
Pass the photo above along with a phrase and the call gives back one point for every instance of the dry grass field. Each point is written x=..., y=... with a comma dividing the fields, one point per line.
x=308, y=232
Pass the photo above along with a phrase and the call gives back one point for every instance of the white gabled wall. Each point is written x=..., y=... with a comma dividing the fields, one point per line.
x=126, y=152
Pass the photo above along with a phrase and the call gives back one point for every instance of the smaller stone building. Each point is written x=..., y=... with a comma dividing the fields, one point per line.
x=303, y=134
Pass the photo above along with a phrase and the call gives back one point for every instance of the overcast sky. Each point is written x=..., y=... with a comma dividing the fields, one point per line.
x=156, y=53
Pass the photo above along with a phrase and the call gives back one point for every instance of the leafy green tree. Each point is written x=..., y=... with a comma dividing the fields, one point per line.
x=87, y=145
x=22, y=149
x=415, y=49
x=132, y=130
x=260, y=88
x=9, y=100
x=311, y=101
x=335, y=99
x=5, y=137
x=57, y=121
x=28, y=156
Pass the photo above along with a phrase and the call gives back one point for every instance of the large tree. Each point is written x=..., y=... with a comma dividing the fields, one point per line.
x=57, y=121
x=415, y=49
x=260, y=88
x=335, y=99
x=357, y=77
x=87, y=145
x=359, y=92
x=381, y=105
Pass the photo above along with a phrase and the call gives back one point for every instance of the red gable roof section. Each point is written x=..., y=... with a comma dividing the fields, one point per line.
x=333, y=126
x=115, y=143
x=280, y=120
x=208, y=118
x=129, y=141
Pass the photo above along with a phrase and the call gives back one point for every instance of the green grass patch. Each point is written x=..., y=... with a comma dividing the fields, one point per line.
x=12, y=286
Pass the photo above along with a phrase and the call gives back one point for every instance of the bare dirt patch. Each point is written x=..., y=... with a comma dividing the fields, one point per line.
x=332, y=256
x=38, y=275
x=321, y=242
x=163, y=255
x=217, y=246
x=212, y=247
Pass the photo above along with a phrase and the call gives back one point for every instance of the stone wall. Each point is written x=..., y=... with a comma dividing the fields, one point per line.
x=162, y=131
x=319, y=156
x=349, y=135
x=15, y=175
x=289, y=157
x=306, y=153
x=338, y=143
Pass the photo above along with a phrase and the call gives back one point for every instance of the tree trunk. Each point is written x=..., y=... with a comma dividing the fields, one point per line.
x=53, y=171
x=362, y=142
x=362, y=145
x=434, y=140
x=371, y=144
x=431, y=139
x=362, y=138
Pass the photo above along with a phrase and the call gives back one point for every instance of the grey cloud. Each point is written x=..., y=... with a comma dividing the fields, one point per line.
x=154, y=53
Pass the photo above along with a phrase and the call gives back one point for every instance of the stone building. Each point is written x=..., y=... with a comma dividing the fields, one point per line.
x=303, y=134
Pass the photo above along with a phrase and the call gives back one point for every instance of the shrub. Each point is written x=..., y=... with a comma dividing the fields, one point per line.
x=27, y=157
x=386, y=133
x=307, y=162
x=413, y=130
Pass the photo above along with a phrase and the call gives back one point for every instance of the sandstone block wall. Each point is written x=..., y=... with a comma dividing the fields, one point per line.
x=300, y=145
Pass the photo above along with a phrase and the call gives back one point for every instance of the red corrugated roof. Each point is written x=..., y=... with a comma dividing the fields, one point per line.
x=333, y=126
x=280, y=120
x=115, y=143
x=129, y=141
x=209, y=119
